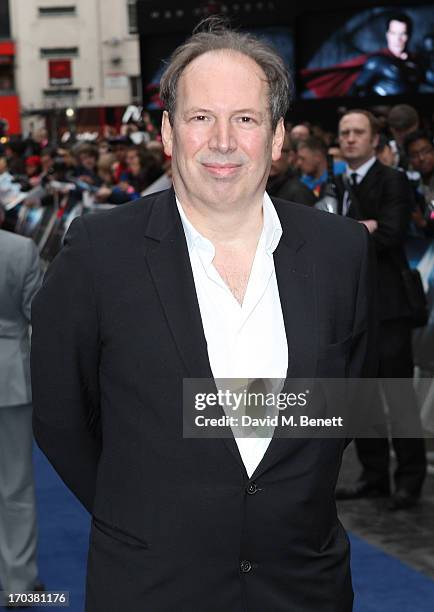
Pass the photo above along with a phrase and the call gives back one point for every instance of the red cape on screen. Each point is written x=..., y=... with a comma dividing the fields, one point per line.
x=335, y=81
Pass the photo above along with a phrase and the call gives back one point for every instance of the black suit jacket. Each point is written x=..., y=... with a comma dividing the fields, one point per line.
x=385, y=195
x=116, y=328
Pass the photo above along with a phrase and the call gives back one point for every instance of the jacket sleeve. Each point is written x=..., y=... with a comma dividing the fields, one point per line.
x=32, y=278
x=364, y=350
x=64, y=364
x=394, y=211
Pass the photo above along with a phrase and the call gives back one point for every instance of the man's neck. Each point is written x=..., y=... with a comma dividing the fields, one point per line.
x=238, y=226
x=355, y=165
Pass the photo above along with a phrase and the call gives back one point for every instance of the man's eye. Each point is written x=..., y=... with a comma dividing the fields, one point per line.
x=199, y=118
x=246, y=119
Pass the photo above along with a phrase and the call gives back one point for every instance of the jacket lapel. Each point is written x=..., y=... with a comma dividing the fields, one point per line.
x=169, y=265
x=360, y=203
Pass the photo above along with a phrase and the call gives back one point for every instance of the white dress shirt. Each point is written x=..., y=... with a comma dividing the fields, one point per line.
x=360, y=174
x=247, y=340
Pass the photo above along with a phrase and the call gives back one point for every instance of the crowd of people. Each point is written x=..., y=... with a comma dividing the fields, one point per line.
x=114, y=170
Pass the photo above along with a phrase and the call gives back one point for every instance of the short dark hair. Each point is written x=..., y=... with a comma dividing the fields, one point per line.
x=214, y=34
x=373, y=123
x=417, y=135
x=402, y=117
x=402, y=18
x=313, y=143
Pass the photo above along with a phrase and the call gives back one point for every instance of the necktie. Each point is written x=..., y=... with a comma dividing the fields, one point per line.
x=347, y=196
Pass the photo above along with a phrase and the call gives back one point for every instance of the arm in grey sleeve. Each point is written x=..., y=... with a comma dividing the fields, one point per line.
x=32, y=278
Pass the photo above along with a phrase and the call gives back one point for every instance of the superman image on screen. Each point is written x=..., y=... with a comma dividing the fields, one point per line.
x=388, y=71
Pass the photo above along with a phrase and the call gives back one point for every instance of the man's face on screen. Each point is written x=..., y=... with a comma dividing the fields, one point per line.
x=397, y=37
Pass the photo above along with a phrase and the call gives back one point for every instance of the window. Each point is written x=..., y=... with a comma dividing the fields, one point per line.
x=132, y=16
x=57, y=11
x=59, y=52
x=7, y=84
x=136, y=89
x=60, y=93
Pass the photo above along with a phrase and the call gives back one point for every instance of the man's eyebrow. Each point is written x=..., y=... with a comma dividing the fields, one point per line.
x=241, y=111
x=194, y=110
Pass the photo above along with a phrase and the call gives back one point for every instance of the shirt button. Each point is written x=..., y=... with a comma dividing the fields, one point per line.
x=252, y=488
x=245, y=566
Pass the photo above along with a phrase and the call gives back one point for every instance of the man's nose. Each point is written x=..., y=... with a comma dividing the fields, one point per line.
x=222, y=137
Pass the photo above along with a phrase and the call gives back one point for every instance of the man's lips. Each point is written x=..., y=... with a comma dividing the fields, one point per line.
x=221, y=169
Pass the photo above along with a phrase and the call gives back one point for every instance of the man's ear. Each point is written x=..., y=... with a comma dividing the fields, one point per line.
x=375, y=140
x=278, y=138
x=167, y=134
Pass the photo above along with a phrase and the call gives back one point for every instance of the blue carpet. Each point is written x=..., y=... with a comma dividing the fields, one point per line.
x=63, y=536
x=381, y=582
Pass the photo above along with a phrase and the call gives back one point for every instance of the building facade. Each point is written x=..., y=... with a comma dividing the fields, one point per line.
x=80, y=55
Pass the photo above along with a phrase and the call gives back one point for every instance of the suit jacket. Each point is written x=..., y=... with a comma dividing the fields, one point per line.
x=20, y=278
x=117, y=327
x=385, y=195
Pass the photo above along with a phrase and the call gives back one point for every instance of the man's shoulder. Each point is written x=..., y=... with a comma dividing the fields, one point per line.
x=14, y=243
x=125, y=219
x=312, y=222
x=379, y=169
x=329, y=238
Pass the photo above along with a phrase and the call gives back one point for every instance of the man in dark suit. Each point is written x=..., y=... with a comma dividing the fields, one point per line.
x=210, y=279
x=380, y=197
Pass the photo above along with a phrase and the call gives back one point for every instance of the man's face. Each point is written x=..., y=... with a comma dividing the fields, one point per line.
x=88, y=161
x=120, y=151
x=356, y=140
x=286, y=159
x=133, y=162
x=421, y=155
x=397, y=37
x=308, y=161
x=221, y=142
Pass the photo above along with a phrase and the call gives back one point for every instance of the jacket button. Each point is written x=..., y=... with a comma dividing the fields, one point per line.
x=245, y=566
x=252, y=488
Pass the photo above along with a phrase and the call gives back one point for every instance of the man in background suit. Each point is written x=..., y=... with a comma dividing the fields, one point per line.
x=20, y=278
x=212, y=279
x=380, y=197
